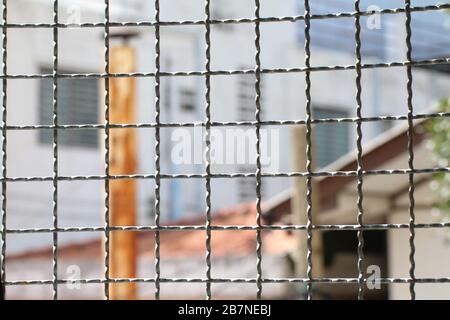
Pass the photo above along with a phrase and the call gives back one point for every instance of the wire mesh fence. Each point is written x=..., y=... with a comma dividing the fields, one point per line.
x=207, y=72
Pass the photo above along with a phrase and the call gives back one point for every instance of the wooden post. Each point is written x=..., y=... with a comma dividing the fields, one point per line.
x=123, y=257
x=299, y=207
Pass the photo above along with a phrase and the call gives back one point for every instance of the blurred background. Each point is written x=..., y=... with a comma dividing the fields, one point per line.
x=81, y=152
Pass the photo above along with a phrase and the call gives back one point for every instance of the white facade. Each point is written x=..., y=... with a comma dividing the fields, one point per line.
x=182, y=49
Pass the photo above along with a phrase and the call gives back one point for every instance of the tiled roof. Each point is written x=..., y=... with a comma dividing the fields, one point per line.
x=190, y=242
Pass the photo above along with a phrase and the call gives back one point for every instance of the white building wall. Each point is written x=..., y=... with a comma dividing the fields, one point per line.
x=432, y=257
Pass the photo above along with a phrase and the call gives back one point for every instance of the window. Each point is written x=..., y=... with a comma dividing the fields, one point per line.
x=246, y=98
x=187, y=98
x=246, y=186
x=331, y=139
x=78, y=103
x=387, y=125
x=246, y=109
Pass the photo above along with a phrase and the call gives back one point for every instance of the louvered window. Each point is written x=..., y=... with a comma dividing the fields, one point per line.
x=331, y=139
x=246, y=112
x=78, y=103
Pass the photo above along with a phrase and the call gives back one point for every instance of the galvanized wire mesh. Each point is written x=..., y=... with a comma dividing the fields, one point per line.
x=207, y=73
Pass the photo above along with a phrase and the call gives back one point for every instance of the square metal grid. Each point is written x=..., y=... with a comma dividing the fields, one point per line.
x=259, y=280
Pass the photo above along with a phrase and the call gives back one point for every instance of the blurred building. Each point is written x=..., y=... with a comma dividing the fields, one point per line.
x=30, y=51
x=386, y=201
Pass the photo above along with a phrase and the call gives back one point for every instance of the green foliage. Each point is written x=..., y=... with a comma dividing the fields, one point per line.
x=438, y=130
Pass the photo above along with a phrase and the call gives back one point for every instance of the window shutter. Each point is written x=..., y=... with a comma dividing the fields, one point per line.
x=331, y=139
x=78, y=103
x=246, y=112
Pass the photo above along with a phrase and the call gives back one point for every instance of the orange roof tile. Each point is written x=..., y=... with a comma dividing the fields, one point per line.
x=190, y=242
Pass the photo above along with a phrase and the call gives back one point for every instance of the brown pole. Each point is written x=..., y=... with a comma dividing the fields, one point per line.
x=123, y=257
